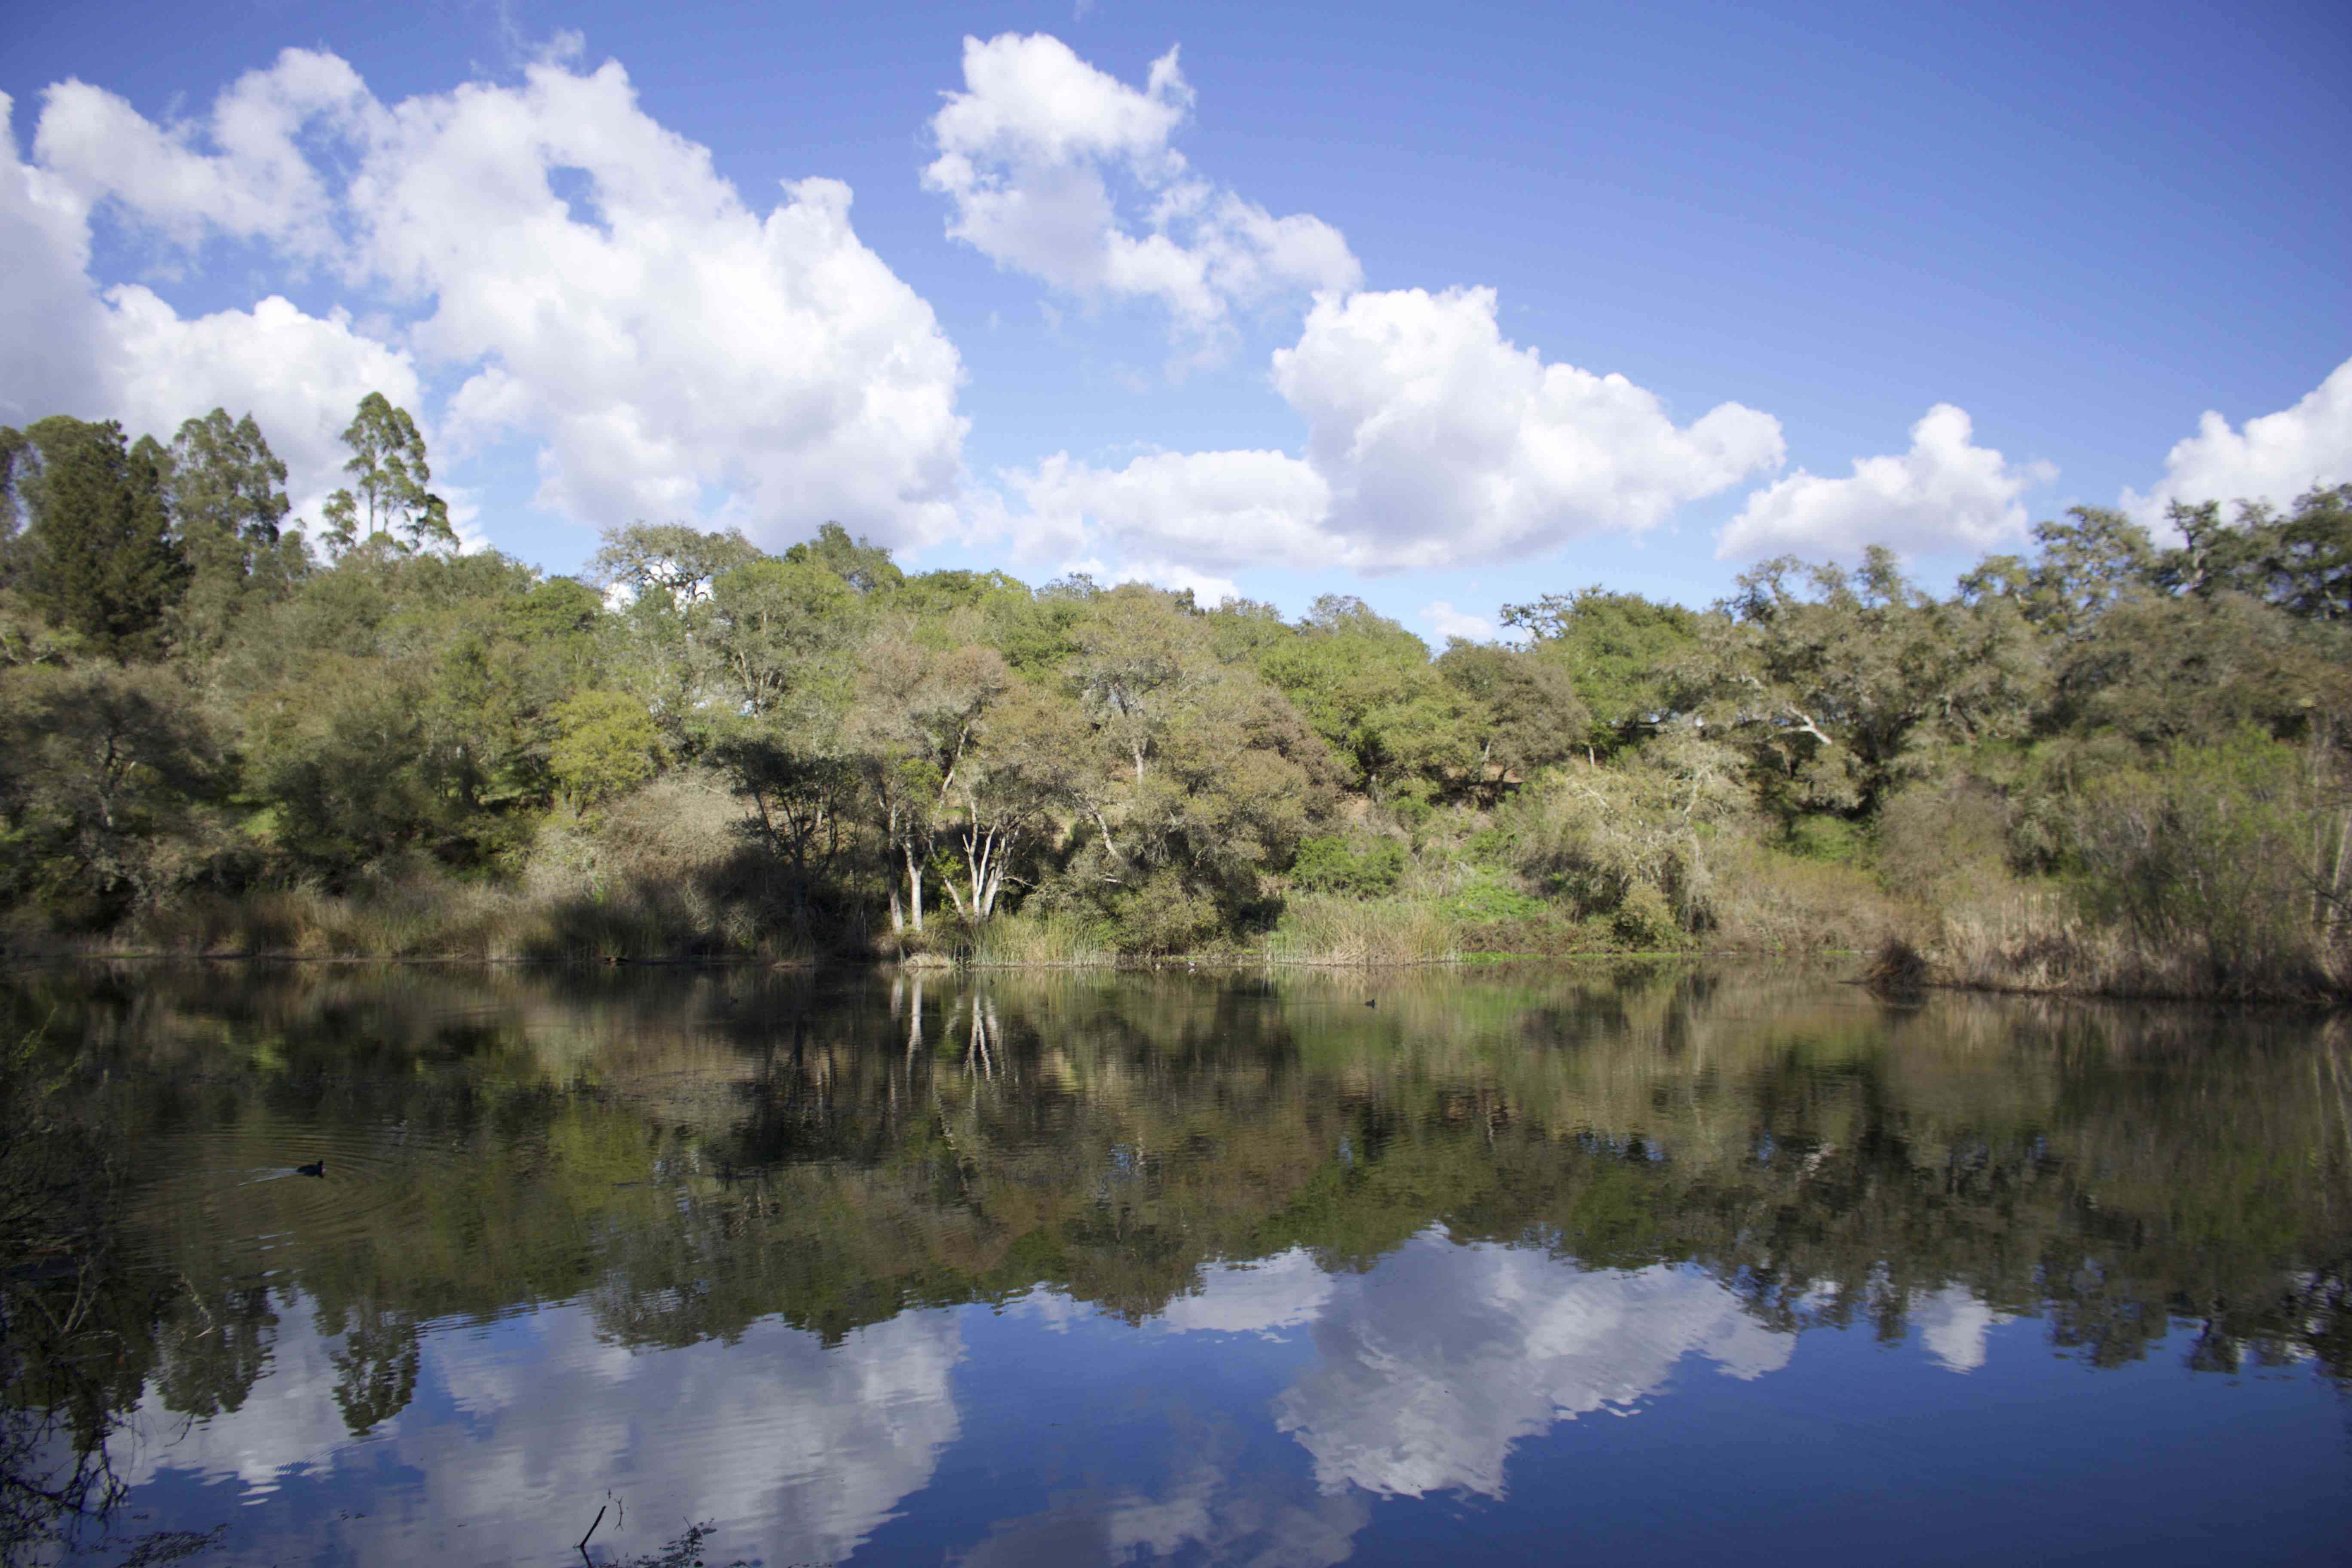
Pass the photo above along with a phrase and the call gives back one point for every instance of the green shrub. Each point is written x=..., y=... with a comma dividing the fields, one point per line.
x=606, y=743
x=1821, y=837
x=1164, y=915
x=1489, y=900
x=1643, y=919
x=1487, y=846
x=2231, y=851
x=1364, y=870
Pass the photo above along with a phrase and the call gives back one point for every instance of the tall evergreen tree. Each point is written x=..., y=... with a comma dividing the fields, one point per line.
x=96, y=554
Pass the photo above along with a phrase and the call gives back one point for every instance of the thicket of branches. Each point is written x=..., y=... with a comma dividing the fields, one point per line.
x=2105, y=765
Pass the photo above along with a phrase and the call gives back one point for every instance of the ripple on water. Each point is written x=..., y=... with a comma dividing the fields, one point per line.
x=242, y=1186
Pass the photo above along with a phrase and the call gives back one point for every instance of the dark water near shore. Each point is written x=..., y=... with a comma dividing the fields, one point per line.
x=1641, y=1267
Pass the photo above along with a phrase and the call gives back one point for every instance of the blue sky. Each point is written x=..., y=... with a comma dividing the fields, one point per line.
x=1320, y=304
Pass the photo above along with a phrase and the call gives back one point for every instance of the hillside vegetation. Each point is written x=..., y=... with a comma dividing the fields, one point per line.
x=2106, y=766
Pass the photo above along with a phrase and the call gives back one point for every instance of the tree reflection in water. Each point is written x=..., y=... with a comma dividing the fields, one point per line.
x=1496, y=1202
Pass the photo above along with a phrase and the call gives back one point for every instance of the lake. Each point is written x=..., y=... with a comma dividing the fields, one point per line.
x=1636, y=1264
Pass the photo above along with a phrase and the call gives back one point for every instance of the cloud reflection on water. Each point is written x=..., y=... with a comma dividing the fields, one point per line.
x=288, y=1420
x=1424, y=1373
x=809, y=1447
x=1432, y=1365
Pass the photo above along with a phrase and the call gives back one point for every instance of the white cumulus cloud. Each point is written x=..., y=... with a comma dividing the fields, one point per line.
x=2275, y=458
x=1244, y=508
x=260, y=183
x=1450, y=622
x=300, y=377
x=1029, y=154
x=1945, y=492
x=125, y=352
x=1431, y=440
x=1445, y=441
x=585, y=278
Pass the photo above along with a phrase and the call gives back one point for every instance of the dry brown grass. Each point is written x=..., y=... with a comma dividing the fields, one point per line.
x=2037, y=939
x=1764, y=899
x=1326, y=929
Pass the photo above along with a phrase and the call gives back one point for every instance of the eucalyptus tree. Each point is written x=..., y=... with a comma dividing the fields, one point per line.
x=1139, y=661
x=389, y=491
x=1009, y=790
x=228, y=505
x=662, y=575
x=781, y=629
x=918, y=712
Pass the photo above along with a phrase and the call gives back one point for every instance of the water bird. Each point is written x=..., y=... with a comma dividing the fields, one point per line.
x=1371, y=1000
x=315, y=1168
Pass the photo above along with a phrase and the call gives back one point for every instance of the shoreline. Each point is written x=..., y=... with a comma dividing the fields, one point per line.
x=920, y=965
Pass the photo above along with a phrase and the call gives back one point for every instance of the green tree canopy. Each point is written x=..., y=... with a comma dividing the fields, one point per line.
x=1620, y=650
x=1366, y=685
x=860, y=562
x=2302, y=562
x=1527, y=710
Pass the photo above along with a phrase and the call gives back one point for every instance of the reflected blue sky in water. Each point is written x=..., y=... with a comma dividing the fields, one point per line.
x=1279, y=1415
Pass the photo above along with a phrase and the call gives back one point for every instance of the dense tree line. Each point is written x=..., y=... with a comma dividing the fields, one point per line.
x=202, y=710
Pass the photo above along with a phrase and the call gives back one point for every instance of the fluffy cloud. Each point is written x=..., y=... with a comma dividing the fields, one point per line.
x=661, y=336
x=259, y=185
x=590, y=282
x=56, y=352
x=1241, y=508
x=1445, y=441
x=1431, y=441
x=1027, y=154
x=68, y=348
x=1449, y=622
x=299, y=375
x=2275, y=458
x=1944, y=492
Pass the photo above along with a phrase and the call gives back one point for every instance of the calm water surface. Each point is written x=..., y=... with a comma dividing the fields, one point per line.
x=1662, y=1265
